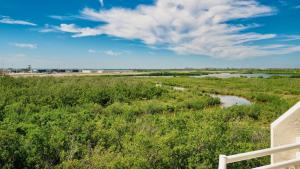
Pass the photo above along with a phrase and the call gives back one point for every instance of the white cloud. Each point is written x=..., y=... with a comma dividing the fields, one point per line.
x=48, y=28
x=101, y=2
x=292, y=37
x=92, y=51
x=79, y=32
x=283, y=2
x=58, y=17
x=199, y=27
x=107, y=52
x=63, y=17
x=8, y=20
x=25, y=45
x=297, y=7
x=112, y=53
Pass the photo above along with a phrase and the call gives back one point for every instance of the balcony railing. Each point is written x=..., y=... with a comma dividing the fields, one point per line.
x=224, y=160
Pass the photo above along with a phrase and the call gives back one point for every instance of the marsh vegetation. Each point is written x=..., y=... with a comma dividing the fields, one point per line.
x=130, y=122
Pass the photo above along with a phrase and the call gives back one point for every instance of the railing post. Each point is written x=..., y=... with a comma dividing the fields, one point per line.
x=298, y=150
x=222, y=162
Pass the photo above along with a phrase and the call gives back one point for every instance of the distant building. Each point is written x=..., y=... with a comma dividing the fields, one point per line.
x=91, y=71
x=72, y=70
x=86, y=71
x=42, y=71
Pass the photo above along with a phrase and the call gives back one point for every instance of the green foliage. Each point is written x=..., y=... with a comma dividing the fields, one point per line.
x=127, y=122
x=199, y=103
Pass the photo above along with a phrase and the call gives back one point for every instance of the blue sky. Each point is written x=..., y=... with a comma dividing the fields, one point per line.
x=150, y=34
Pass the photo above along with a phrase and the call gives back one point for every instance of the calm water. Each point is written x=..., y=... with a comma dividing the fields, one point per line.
x=228, y=101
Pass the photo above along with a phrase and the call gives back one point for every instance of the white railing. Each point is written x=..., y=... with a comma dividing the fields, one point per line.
x=224, y=160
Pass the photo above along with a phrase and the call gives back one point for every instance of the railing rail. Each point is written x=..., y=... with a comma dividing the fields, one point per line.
x=281, y=165
x=224, y=160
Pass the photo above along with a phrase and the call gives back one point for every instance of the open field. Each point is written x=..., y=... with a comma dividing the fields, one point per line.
x=133, y=122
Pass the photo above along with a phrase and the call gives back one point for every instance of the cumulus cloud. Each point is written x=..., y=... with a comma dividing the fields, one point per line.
x=25, y=45
x=8, y=20
x=199, y=27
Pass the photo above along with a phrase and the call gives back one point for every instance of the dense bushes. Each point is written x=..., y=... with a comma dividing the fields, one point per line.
x=68, y=92
x=106, y=122
x=199, y=103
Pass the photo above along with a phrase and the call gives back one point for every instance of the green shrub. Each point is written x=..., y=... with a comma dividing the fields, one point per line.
x=128, y=122
x=155, y=108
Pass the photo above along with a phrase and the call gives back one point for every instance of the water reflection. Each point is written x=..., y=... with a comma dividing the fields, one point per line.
x=228, y=101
